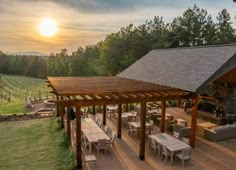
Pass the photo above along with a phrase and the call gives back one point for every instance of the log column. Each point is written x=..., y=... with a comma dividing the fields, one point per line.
x=194, y=121
x=119, y=121
x=104, y=114
x=142, y=131
x=163, y=115
x=78, y=138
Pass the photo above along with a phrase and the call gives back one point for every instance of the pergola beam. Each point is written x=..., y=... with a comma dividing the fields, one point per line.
x=117, y=101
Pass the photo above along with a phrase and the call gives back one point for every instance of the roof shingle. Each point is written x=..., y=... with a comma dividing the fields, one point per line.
x=183, y=68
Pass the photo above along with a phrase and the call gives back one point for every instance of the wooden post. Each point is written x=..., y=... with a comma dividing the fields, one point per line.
x=126, y=107
x=178, y=103
x=119, y=121
x=194, y=121
x=61, y=112
x=58, y=109
x=142, y=131
x=78, y=138
x=104, y=114
x=94, y=109
x=163, y=115
x=68, y=128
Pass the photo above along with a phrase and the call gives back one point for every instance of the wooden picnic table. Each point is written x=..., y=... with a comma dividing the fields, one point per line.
x=126, y=115
x=112, y=109
x=92, y=132
x=137, y=126
x=173, y=145
x=154, y=111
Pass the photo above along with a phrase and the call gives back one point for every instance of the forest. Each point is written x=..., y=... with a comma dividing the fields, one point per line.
x=120, y=49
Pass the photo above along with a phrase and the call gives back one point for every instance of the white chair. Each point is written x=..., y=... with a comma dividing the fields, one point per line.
x=134, y=115
x=165, y=152
x=129, y=119
x=100, y=123
x=151, y=122
x=88, y=158
x=105, y=129
x=85, y=142
x=184, y=155
x=155, y=147
x=96, y=120
x=101, y=145
x=131, y=129
x=108, y=113
x=176, y=135
x=186, y=140
x=125, y=120
x=86, y=112
x=112, y=139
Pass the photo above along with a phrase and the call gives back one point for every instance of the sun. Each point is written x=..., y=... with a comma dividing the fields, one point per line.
x=48, y=27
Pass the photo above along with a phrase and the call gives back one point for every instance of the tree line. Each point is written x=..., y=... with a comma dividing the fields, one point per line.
x=120, y=49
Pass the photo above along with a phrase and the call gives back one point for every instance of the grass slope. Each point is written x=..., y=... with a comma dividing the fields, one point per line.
x=33, y=144
x=20, y=88
x=13, y=108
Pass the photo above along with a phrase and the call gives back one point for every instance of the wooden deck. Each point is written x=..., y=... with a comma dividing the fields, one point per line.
x=206, y=155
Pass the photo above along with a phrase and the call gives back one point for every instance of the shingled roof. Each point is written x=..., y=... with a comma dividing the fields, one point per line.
x=184, y=68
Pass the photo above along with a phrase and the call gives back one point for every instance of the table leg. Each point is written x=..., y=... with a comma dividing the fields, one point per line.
x=172, y=155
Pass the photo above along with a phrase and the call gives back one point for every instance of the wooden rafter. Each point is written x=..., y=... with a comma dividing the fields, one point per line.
x=103, y=86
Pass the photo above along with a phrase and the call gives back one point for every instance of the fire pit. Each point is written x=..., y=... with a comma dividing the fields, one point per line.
x=49, y=103
x=46, y=111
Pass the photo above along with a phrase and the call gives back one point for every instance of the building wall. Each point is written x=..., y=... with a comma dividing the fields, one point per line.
x=231, y=101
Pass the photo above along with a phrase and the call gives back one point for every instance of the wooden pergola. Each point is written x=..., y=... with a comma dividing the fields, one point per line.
x=91, y=91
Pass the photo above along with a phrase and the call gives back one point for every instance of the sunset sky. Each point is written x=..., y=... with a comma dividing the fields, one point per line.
x=85, y=22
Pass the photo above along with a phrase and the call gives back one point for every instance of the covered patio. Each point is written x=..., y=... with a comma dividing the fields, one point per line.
x=91, y=91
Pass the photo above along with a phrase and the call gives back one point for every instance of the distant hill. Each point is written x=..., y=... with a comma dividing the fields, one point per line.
x=29, y=53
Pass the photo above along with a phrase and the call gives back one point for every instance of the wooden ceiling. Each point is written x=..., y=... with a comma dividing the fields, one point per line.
x=108, y=90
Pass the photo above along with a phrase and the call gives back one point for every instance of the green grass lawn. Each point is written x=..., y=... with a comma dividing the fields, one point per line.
x=34, y=144
x=13, y=108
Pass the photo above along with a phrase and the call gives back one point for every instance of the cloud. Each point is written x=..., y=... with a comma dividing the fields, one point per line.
x=85, y=22
x=105, y=6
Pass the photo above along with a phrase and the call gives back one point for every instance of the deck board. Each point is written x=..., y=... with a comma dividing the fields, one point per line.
x=207, y=154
